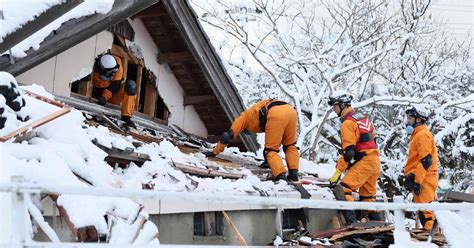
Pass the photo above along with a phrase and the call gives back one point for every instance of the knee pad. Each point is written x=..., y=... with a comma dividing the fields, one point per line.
x=267, y=151
x=131, y=88
x=285, y=148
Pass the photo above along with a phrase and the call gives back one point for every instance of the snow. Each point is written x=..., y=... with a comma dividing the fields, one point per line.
x=62, y=152
x=16, y=15
x=82, y=73
x=458, y=228
x=38, y=217
x=277, y=242
x=147, y=235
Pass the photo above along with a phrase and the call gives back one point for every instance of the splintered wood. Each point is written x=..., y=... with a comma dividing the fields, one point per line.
x=193, y=170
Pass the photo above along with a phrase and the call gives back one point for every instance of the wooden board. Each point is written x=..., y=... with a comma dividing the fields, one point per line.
x=122, y=156
x=205, y=172
x=234, y=229
x=344, y=235
x=35, y=124
x=23, y=130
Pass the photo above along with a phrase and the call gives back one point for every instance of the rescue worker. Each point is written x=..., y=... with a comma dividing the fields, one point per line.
x=421, y=169
x=359, y=156
x=278, y=120
x=109, y=87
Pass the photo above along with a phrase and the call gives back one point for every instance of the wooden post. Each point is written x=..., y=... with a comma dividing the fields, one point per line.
x=150, y=100
x=234, y=228
x=336, y=221
x=139, y=85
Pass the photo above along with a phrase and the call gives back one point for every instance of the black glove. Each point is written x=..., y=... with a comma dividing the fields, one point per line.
x=409, y=182
x=209, y=154
x=101, y=101
x=417, y=189
x=264, y=165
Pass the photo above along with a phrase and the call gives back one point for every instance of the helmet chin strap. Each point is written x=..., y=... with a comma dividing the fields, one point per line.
x=341, y=109
x=416, y=123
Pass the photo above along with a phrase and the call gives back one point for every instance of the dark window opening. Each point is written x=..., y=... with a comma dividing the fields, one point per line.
x=208, y=224
x=151, y=103
x=132, y=71
x=81, y=86
x=161, y=109
x=292, y=217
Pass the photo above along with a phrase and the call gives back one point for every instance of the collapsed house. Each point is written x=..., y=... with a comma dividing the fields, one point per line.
x=185, y=101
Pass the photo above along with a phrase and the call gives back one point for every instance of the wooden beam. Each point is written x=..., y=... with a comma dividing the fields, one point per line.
x=150, y=100
x=193, y=170
x=115, y=154
x=35, y=124
x=77, y=31
x=194, y=100
x=138, y=82
x=83, y=234
x=36, y=24
x=166, y=58
x=153, y=11
x=234, y=228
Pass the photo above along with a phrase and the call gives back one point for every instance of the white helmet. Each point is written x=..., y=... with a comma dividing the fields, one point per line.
x=339, y=97
x=418, y=111
x=108, y=62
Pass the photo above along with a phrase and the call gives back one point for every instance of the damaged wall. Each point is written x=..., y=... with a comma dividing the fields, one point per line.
x=258, y=227
x=182, y=116
x=57, y=73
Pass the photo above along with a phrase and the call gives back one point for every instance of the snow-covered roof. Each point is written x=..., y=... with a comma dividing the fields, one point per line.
x=16, y=14
x=62, y=151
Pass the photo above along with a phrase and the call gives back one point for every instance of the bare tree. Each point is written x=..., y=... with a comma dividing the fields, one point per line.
x=387, y=54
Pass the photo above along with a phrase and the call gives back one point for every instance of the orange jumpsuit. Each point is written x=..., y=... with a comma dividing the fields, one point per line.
x=119, y=97
x=422, y=144
x=280, y=129
x=363, y=174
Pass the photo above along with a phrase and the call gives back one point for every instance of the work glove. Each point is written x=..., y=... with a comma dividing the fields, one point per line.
x=417, y=189
x=101, y=101
x=335, y=177
x=209, y=154
x=409, y=182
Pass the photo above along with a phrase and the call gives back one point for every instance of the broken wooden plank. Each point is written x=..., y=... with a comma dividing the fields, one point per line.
x=336, y=221
x=138, y=226
x=46, y=99
x=123, y=156
x=116, y=129
x=423, y=235
x=328, y=233
x=370, y=224
x=83, y=234
x=234, y=229
x=205, y=172
x=346, y=234
x=87, y=234
x=21, y=131
x=35, y=124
